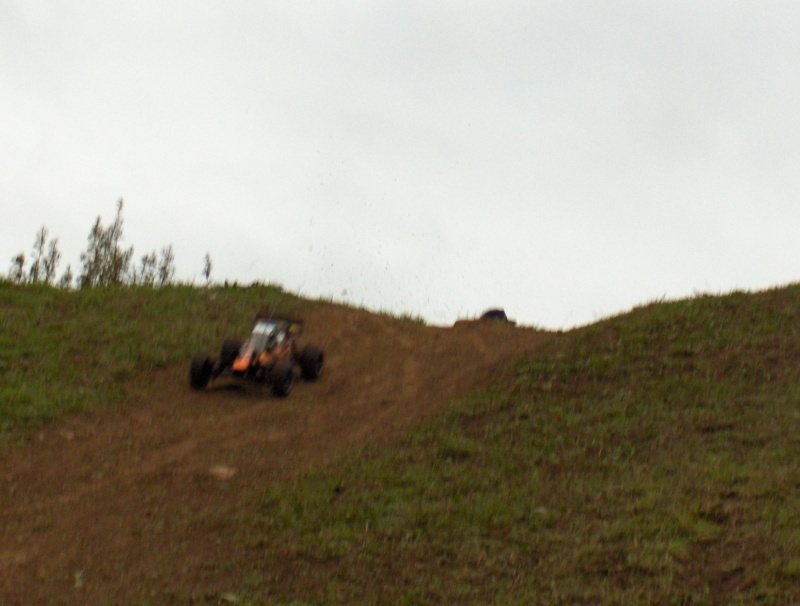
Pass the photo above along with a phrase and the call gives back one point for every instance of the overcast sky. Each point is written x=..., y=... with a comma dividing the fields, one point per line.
x=564, y=160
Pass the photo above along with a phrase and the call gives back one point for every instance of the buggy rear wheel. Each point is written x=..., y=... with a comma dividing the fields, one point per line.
x=229, y=352
x=282, y=379
x=200, y=371
x=312, y=361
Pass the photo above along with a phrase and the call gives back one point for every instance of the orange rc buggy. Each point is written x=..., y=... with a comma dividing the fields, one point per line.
x=269, y=355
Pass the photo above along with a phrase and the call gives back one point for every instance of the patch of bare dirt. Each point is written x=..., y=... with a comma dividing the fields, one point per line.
x=140, y=503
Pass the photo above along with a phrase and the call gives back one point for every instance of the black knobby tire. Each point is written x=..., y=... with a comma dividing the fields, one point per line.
x=312, y=361
x=282, y=378
x=229, y=352
x=200, y=371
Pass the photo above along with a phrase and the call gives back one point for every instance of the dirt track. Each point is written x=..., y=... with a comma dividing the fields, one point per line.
x=136, y=503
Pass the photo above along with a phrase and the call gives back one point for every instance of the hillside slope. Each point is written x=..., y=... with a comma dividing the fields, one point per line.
x=648, y=458
x=138, y=502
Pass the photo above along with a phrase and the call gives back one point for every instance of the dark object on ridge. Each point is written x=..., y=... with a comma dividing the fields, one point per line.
x=497, y=314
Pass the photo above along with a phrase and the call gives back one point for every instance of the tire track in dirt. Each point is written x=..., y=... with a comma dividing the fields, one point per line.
x=120, y=504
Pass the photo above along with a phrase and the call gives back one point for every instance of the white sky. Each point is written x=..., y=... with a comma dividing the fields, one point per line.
x=564, y=160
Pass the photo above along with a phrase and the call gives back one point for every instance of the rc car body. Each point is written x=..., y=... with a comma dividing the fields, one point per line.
x=269, y=355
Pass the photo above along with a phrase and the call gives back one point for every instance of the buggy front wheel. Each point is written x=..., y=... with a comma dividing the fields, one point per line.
x=282, y=379
x=200, y=371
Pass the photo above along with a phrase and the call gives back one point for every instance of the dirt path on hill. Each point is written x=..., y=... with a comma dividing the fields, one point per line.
x=138, y=504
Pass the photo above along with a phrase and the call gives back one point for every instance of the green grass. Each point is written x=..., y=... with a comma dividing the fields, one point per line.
x=64, y=351
x=650, y=458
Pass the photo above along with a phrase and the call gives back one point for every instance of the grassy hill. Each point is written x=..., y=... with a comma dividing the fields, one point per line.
x=63, y=351
x=649, y=458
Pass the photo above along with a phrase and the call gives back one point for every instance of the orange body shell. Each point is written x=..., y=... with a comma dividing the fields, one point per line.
x=265, y=358
x=242, y=363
